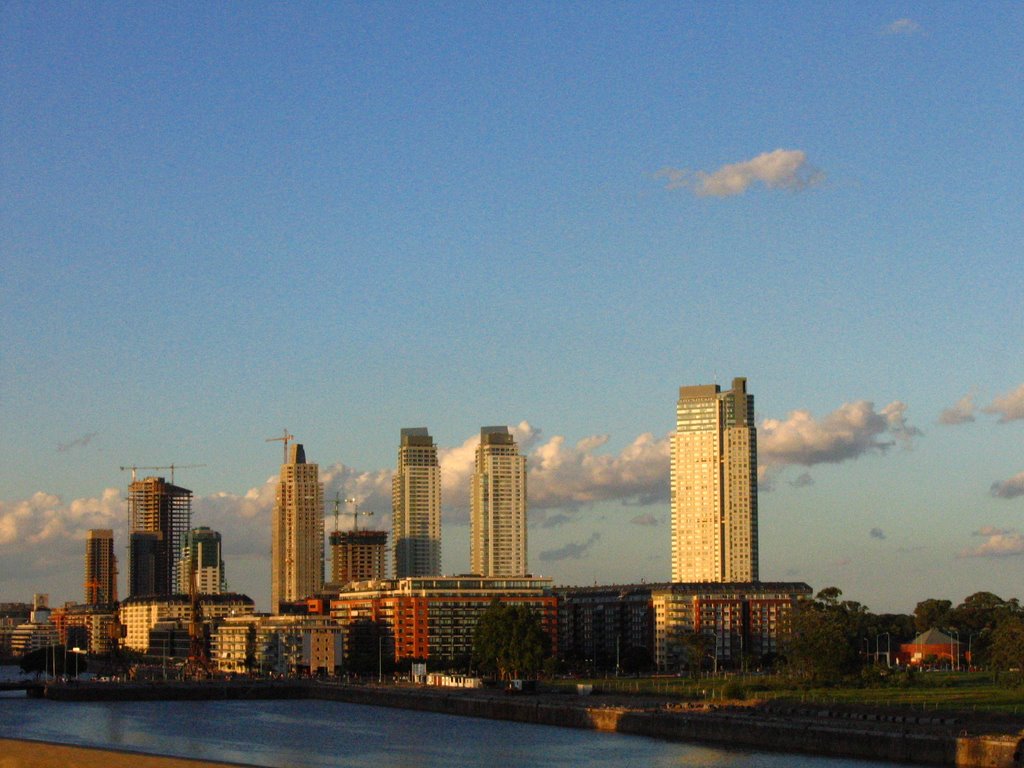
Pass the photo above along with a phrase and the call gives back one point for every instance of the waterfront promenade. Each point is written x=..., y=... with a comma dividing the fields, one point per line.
x=956, y=739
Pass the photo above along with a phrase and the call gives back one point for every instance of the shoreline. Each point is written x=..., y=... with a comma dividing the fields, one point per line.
x=964, y=740
x=30, y=753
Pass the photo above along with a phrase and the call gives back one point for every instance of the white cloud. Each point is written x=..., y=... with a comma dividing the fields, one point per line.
x=779, y=169
x=1009, y=407
x=1009, y=489
x=960, y=412
x=998, y=542
x=902, y=27
x=849, y=432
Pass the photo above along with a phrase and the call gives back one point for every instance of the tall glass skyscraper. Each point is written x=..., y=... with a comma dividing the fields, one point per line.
x=498, y=506
x=416, y=506
x=202, y=553
x=297, y=548
x=714, y=485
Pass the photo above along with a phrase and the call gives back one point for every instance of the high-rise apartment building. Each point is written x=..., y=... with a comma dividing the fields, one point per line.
x=714, y=485
x=297, y=549
x=100, y=567
x=159, y=514
x=498, y=506
x=416, y=506
x=202, y=554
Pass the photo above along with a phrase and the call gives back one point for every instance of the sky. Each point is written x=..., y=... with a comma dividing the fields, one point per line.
x=220, y=221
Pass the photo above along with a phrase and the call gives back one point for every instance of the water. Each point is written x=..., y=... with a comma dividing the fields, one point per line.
x=297, y=734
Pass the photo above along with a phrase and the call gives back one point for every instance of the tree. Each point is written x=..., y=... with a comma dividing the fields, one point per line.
x=931, y=613
x=509, y=641
x=825, y=637
x=1006, y=651
x=699, y=647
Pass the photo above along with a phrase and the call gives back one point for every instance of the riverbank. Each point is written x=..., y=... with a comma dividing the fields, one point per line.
x=21, y=753
x=950, y=739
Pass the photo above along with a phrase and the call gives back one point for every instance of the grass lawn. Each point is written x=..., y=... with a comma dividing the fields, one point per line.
x=929, y=690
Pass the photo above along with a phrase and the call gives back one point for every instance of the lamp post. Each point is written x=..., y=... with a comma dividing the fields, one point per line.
x=380, y=659
x=954, y=657
x=888, y=647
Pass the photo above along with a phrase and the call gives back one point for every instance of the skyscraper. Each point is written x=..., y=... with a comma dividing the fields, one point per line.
x=714, y=485
x=498, y=506
x=297, y=549
x=100, y=567
x=416, y=506
x=159, y=515
x=202, y=553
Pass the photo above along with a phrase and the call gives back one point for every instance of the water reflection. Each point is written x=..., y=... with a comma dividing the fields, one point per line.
x=321, y=734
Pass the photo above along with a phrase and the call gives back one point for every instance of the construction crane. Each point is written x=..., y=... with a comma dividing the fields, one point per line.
x=355, y=511
x=134, y=469
x=287, y=438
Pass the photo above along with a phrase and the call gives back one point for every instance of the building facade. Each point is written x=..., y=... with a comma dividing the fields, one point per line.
x=297, y=549
x=745, y=622
x=714, y=485
x=159, y=516
x=140, y=615
x=100, y=567
x=280, y=645
x=433, y=618
x=416, y=506
x=202, y=553
x=498, y=507
x=358, y=556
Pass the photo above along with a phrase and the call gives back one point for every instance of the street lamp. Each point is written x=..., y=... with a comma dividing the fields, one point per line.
x=888, y=648
x=380, y=659
x=954, y=658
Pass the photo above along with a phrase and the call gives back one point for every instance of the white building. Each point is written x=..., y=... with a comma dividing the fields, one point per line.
x=498, y=506
x=416, y=506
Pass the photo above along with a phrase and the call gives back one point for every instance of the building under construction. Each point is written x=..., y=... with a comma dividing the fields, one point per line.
x=358, y=556
x=159, y=516
x=100, y=567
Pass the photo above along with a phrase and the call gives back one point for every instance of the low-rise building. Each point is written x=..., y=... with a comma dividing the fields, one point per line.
x=746, y=620
x=88, y=627
x=140, y=614
x=433, y=617
x=262, y=644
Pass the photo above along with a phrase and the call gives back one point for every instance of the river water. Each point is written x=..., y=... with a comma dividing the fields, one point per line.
x=296, y=734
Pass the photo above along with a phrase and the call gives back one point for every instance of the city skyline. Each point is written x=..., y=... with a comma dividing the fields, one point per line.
x=221, y=221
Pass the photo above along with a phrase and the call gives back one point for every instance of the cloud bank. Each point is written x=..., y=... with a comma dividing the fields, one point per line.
x=850, y=431
x=779, y=169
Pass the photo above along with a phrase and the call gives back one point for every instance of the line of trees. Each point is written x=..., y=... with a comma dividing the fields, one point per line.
x=832, y=638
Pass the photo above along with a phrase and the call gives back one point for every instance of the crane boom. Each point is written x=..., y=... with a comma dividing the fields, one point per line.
x=286, y=438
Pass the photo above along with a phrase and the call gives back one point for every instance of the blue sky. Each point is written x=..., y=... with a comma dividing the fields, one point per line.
x=220, y=220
